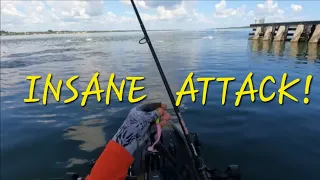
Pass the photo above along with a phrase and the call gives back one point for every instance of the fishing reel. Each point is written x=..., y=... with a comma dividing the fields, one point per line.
x=232, y=172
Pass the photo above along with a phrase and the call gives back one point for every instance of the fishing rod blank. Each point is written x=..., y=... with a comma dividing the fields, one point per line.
x=199, y=162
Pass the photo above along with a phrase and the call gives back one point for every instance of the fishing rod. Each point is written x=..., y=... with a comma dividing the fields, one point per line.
x=199, y=164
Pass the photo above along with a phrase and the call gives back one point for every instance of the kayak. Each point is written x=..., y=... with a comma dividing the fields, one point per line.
x=172, y=159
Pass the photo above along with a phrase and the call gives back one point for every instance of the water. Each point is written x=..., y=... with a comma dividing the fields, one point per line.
x=267, y=140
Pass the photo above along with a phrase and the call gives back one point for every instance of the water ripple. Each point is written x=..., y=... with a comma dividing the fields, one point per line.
x=277, y=137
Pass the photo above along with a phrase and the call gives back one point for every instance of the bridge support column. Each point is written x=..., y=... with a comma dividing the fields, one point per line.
x=281, y=34
x=257, y=33
x=297, y=34
x=316, y=35
x=268, y=33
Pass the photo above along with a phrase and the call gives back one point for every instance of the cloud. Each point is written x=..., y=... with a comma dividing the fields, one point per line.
x=112, y=18
x=139, y=3
x=45, y=12
x=270, y=11
x=10, y=15
x=173, y=14
x=180, y=13
x=270, y=7
x=251, y=13
x=165, y=13
x=8, y=8
x=168, y=4
x=96, y=15
x=15, y=13
x=200, y=18
x=76, y=10
x=162, y=13
x=296, y=7
x=221, y=10
x=58, y=15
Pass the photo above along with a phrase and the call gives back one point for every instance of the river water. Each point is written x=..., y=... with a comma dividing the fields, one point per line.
x=267, y=140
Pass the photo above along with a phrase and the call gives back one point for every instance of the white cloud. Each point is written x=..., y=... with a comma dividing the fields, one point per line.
x=162, y=13
x=165, y=10
x=168, y=4
x=58, y=15
x=95, y=15
x=270, y=11
x=221, y=10
x=174, y=14
x=8, y=8
x=39, y=8
x=111, y=14
x=139, y=3
x=270, y=7
x=125, y=2
x=148, y=17
x=181, y=13
x=251, y=13
x=200, y=18
x=296, y=7
x=75, y=10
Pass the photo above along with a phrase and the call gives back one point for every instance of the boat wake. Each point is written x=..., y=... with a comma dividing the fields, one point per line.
x=4, y=51
x=208, y=37
x=3, y=54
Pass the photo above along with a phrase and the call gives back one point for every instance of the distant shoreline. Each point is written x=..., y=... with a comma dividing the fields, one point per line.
x=8, y=33
x=242, y=27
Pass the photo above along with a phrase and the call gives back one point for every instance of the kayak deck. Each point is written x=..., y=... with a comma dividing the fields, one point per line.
x=162, y=167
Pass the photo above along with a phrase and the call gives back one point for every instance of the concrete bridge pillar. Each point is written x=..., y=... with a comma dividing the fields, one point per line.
x=297, y=34
x=268, y=33
x=316, y=35
x=257, y=33
x=281, y=34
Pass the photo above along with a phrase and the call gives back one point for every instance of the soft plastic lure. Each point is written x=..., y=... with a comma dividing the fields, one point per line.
x=159, y=130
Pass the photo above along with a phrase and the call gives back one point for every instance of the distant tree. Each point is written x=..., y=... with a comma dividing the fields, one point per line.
x=50, y=31
x=3, y=32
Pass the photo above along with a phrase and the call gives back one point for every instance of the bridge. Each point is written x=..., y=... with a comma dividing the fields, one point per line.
x=299, y=31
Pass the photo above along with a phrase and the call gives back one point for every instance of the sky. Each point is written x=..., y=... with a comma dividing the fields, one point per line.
x=81, y=15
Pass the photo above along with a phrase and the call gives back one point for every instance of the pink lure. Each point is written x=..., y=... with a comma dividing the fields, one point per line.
x=159, y=130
